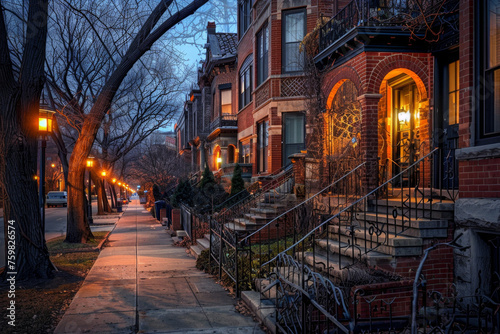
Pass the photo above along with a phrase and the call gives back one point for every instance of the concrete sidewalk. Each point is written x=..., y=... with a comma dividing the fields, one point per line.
x=141, y=283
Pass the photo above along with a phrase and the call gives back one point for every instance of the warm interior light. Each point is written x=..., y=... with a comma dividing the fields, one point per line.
x=219, y=160
x=52, y=165
x=90, y=163
x=404, y=116
x=35, y=177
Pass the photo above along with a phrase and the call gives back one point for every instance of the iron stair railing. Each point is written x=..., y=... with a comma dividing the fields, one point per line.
x=280, y=182
x=414, y=207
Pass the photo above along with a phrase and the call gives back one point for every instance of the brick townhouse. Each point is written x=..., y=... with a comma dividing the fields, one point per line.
x=416, y=106
x=271, y=99
x=208, y=125
x=404, y=96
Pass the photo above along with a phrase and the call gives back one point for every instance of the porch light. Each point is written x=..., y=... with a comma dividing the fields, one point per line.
x=404, y=117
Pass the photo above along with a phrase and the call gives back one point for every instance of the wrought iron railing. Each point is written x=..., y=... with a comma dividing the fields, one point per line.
x=194, y=224
x=378, y=13
x=285, y=229
x=224, y=251
x=273, y=185
x=224, y=120
x=414, y=202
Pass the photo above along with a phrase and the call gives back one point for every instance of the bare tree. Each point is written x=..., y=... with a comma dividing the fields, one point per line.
x=22, y=57
x=135, y=43
x=158, y=165
x=145, y=102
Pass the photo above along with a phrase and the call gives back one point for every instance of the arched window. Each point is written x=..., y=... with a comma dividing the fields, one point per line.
x=231, y=154
x=343, y=120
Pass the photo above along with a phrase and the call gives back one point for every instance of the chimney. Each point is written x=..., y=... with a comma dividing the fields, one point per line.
x=211, y=28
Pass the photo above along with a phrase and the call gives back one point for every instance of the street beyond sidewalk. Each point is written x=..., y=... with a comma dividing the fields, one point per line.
x=142, y=283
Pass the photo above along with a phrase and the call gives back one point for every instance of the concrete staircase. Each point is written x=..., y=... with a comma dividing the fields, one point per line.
x=272, y=205
x=201, y=245
x=375, y=238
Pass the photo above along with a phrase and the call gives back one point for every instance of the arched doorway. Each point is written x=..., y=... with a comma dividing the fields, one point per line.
x=231, y=156
x=342, y=129
x=217, y=158
x=403, y=124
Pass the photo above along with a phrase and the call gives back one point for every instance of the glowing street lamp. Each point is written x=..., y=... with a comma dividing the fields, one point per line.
x=44, y=129
x=90, y=164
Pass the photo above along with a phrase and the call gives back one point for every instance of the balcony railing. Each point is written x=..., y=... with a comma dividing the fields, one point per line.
x=381, y=13
x=224, y=120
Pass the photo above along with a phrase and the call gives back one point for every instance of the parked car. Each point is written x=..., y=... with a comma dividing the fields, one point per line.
x=55, y=198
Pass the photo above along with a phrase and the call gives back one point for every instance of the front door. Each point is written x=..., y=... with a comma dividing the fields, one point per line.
x=446, y=132
x=405, y=145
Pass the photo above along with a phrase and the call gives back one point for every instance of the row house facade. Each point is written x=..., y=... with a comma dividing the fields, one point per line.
x=407, y=92
x=272, y=82
x=418, y=106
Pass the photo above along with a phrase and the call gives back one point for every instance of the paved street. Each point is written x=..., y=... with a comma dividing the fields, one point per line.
x=55, y=226
x=141, y=283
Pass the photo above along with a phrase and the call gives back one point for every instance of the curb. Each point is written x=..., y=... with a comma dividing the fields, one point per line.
x=86, y=250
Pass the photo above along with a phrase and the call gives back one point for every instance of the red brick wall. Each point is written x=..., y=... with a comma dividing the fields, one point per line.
x=480, y=178
x=466, y=72
x=222, y=78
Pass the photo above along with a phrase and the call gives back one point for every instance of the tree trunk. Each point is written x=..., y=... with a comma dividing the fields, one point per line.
x=78, y=230
x=105, y=204
x=96, y=180
x=19, y=106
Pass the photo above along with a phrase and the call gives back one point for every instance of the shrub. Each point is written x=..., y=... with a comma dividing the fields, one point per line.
x=237, y=183
x=207, y=178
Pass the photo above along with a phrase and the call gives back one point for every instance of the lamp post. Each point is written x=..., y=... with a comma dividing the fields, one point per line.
x=90, y=164
x=44, y=128
x=113, y=192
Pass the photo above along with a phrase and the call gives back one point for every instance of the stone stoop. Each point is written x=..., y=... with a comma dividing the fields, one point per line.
x=269, y=208
x=376, y=239
x=201, y=245
x=263, y=309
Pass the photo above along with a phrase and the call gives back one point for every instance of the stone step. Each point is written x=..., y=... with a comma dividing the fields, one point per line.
x=389, y=244
x=262, y=308
x=418, y=228
x=280, y=206
x=321, y=264
x=440, y=209
x=426, y=192
x=257, y=219
x=347, y=252
x=195, y=250
x=266, y=213
x=429, y=227
x=203, y=243
x=235, y=227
